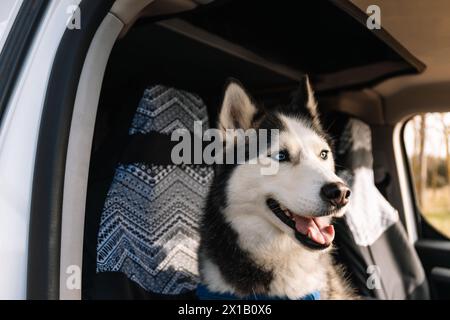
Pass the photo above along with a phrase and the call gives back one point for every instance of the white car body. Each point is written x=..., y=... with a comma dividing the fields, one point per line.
x=18, y=140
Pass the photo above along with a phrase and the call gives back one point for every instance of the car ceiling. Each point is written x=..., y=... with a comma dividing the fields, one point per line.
x=423, y=27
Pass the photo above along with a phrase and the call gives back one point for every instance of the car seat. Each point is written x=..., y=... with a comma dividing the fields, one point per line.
x=372, y=242
x=148, y=230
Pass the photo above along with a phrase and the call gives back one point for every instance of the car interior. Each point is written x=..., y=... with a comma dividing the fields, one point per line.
x=155, y=66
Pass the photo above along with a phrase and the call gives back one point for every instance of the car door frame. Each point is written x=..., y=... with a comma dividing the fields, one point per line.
x=50, y=163
x=431, y=245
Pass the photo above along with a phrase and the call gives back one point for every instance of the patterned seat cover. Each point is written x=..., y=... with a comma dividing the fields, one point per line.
x=149, y=224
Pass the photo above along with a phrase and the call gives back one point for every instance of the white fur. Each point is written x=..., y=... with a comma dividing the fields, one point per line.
x=296, y=185
x=237, y=108
x=213, y=278
x=297, y=271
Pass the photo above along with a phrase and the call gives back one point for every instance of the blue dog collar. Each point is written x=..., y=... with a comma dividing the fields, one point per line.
x=203, y=293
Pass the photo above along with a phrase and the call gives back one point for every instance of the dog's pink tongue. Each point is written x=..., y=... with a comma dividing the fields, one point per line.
x=318, y=229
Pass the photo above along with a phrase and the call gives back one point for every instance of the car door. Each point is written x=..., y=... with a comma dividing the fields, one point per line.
x=427, y=146
x=30, y=34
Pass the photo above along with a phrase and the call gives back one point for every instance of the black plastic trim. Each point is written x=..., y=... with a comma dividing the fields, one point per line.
x=17, y=46
x=48, y=183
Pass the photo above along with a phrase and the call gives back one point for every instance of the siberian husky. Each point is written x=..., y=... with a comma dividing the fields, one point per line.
x=271, y=235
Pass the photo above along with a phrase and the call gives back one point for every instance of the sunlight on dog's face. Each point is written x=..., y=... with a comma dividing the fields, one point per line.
x=308, y=165
x=305, y=193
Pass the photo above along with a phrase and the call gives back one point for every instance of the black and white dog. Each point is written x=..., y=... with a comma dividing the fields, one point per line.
x=270, y=235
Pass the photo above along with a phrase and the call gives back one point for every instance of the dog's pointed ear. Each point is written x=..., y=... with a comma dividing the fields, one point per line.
x=305, y=101
x=238, y=109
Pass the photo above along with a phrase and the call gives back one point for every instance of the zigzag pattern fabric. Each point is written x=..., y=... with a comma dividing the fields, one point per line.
x=149, y=224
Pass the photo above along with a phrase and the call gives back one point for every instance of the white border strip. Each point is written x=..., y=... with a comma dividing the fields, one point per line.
x=79, y=154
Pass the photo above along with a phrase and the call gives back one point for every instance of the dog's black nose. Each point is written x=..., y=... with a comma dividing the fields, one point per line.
x=336, y=193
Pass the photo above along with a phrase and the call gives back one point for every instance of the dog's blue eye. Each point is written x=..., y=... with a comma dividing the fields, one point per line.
x=324, y=154
x=281, y=156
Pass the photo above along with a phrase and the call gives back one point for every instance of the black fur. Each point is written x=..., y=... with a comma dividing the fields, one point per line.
x=266, y=119
x=297, y=108
x=219, y=242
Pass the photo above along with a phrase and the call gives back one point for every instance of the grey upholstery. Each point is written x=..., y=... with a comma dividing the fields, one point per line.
x=372, y=241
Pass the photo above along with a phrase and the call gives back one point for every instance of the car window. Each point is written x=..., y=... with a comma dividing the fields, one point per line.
x=427, y=139
x=8, y=12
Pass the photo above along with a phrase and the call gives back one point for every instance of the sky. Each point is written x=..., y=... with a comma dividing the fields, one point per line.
x=434, y=137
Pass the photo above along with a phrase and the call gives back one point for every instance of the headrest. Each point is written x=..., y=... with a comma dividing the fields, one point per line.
x=164, y=110
x=369, y=214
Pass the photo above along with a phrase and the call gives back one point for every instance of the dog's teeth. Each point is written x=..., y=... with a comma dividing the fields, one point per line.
x=288, y=213
x=309, y=235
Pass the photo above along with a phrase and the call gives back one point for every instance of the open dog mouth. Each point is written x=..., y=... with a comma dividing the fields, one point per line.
x=314, y=232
